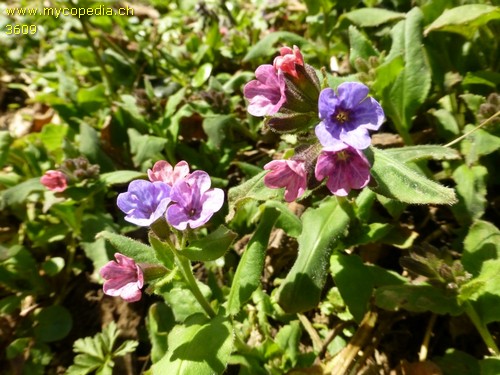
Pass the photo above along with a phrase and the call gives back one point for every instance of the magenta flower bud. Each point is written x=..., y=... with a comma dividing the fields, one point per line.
x=346, y=168
x=55, y=181
x=193, y=202
x=288, y=59
x=290, y=174
x=266, y=94
x=124, y=278
x=347, y=116
x=163, y=171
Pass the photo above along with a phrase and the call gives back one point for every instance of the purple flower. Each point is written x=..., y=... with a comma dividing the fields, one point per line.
x=267, y=93
x=346, y=168
x=144, y=202
x=290, y=174
x=193, y=202
x=163, y=171
x=55, y=181
x=347, y=117
x=124, y=278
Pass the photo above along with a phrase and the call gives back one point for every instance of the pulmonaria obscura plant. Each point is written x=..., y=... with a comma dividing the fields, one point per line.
x=330, y=166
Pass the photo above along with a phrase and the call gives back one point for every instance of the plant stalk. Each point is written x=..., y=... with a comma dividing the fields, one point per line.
x=185, y=267
x=482, y=329
x=485, y=122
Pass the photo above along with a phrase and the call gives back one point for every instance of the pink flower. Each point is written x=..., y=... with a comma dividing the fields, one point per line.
x=346, y=168
x=163, y=171
x=267, y=93
x=290, y=174
x=55, y=181
x=286, y=62
x=124, y=278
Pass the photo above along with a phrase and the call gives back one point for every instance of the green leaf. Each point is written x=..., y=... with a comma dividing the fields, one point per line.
x=53, y=265
x=354, y=283
x=471, y=191
x=287, y=220
x=159, y=322
x=18, y=194
x=90, y=146
x=414, y=153
x=371, y=17
x=465, y=19
x=96, y=353
x=145, y=148
x=288, y=338
x=321, y=228
x=361, y=46
x=490, y=366
x=52, y=136
x=53, y=323
x=5, y=142
x=416, y=298
x=387, y=73
x=210, y=247
x=164, y=253
x=202, y=75
x=485, y=295
x=136, y=250
x=217, y=127
x=247, y=277
x=181, y=300
x=482, y=243
x=120, y=177
x=265, y=46
x=409, y=91
x=456, y=362
x=478, y=144
x=252, y=189
x=198, y=347
x=446, y=123
x=396, y=180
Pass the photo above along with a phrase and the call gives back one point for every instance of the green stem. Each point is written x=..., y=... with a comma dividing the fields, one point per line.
x=185, y=267
x=482, y=329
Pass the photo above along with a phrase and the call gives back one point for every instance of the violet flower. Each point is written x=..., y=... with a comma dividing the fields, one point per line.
x=267, y=93
x=346, y=168
x=193, y=202
x=55, y=181
x=124, y=278
x=347, y=116
x=163, y=171
x=290, y=174
x=144, y=202
x=286, y=62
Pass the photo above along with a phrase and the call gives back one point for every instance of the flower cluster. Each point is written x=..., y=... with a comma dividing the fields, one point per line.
x=72, y=172
x=342, y=119
x=182, y=198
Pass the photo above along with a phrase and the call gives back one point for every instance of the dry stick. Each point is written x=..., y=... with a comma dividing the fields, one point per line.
x=485, y=122
x=341, y=363
x=329, y=338
x=424, y=348
x=316, y=340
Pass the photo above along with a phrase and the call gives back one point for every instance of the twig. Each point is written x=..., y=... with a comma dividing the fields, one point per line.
x=485, y=122
x=424, y=348
x=316, y=340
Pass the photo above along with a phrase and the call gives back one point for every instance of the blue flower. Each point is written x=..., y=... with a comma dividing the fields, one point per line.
x=347, y=116
x=144, y=202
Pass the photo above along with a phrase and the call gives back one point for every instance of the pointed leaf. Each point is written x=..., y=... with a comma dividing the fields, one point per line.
x=247, y=277
x=465, y=19
x=198, y=347
x=136, y=250
x=396, y=180
x=370, y=17
x=210, y=247
x=422, y=152
x=321, y=228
